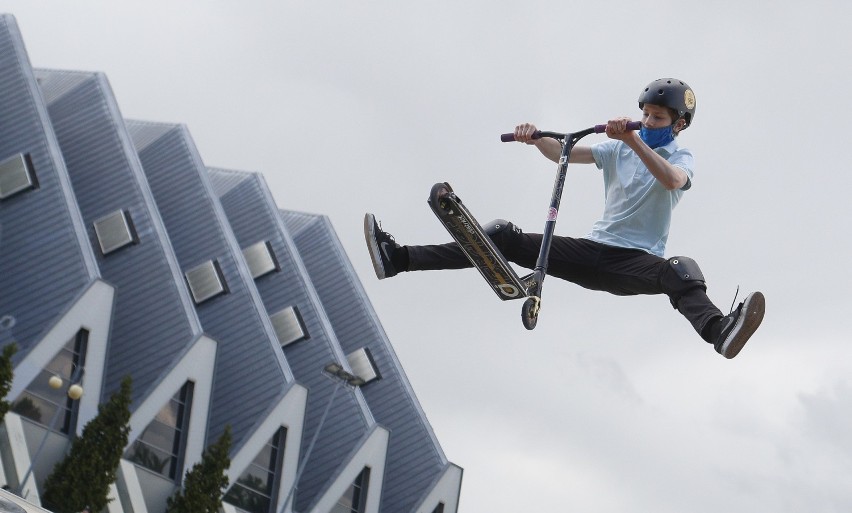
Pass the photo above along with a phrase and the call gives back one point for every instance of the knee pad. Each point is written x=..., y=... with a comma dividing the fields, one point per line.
x=500, y=227
x=686, y=269
x=685, y=276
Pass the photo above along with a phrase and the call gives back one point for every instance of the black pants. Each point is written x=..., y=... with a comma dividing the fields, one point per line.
x=595, y=266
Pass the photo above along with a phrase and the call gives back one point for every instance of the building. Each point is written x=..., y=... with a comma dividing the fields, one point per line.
x=122, y=253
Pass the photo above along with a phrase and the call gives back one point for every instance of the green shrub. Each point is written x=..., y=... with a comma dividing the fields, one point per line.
x=205, y=483
x=83, y=477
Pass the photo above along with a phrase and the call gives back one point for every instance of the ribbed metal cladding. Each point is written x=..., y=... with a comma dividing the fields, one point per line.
x=52, y=259
x=64, y=238
x=415, y=457
x=107, y=178
x=254, y=216
x=250, y=374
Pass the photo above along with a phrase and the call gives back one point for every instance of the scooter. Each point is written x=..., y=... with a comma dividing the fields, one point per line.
x=482, y=252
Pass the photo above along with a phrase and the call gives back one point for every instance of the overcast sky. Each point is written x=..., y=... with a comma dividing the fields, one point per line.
x=611, y=404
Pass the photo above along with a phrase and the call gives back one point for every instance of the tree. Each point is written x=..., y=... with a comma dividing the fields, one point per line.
x=204, y=484
x=83, y=477
x=6, y=375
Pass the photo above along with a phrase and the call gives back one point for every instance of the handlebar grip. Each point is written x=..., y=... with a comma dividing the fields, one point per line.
x=511, y=137
x=633, y=125
x=598, y=129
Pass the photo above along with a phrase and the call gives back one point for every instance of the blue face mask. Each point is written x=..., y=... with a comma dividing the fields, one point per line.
x=656, y=137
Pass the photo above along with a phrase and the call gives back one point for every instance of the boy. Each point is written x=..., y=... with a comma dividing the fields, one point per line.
x=645, y=175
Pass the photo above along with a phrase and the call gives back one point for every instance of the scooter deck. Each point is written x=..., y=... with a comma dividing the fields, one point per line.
x=475, y=243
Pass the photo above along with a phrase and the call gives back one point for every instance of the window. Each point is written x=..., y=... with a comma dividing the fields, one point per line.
x=363, y=365
x=206, y=281
x=17, y=174
x=44, y=404
x=261, y=259
x=354, y=500
x=254, y=491
x=289, y=326
x=115, y=231
x=160, y=446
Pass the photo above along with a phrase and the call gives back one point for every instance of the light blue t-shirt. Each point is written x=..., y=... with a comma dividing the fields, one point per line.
x=638, y=209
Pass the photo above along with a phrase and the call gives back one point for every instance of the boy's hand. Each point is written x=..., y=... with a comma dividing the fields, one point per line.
x=524, y=132
x=617, y=129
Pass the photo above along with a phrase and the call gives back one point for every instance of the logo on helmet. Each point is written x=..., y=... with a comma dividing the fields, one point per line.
x=689, y=99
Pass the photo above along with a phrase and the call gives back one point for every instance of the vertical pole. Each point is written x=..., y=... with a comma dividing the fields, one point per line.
x=307, y=455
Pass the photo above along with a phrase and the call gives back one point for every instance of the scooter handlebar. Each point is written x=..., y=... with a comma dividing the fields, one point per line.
x=632, y=125
x=598, y=129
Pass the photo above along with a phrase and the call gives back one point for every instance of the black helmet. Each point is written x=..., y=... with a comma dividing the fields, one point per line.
x=671, y=93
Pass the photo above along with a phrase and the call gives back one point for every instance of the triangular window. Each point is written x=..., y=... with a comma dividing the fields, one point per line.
x=354, y=500
x=255, y=489
x=48, y=404
x=161, y=445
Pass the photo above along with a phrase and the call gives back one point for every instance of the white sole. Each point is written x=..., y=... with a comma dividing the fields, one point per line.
x=370, y=237
x=752, y=315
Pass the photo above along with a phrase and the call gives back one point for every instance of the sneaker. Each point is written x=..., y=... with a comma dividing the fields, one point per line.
x=738, y=326
x=381, y=246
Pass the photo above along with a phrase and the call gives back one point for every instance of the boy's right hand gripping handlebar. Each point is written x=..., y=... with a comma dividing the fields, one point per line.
x=598, y=129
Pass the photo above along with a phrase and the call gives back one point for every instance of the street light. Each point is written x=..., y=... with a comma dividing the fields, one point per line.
x=341, y=377
x=74, y=392
x=336, y=370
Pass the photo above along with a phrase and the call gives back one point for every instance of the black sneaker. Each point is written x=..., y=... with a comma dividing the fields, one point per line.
x=738, y=326
x=381, y=246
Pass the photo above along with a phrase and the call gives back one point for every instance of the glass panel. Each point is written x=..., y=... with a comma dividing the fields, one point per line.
x=257, y=478
x=159, y=435
x=351, y=501
x=35, y=408
x=247, y=499
x=338, y=508
x=159, y=445
x=41, y=387
x=265, y=457
x=40, y=402
x=169, y=414
x=62, y=364
x=253, y=491
x=151, y=458
x=344, y=505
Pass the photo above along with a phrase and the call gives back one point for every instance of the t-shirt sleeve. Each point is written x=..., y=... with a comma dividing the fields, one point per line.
x=604, y=152
x=683, y=159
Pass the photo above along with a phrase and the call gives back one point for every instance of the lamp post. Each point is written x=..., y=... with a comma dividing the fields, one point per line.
x=74, y=392
x=341, y=377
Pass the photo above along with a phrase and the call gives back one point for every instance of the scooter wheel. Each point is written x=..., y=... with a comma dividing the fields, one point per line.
x=529, y=313
x=437, y=197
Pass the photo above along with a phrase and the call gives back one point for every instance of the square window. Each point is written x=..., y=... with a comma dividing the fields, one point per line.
x=363, y=365
x=16, y=175
x=206, y=281
x=289, y=326
x=260, y=259
x=115, y=231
